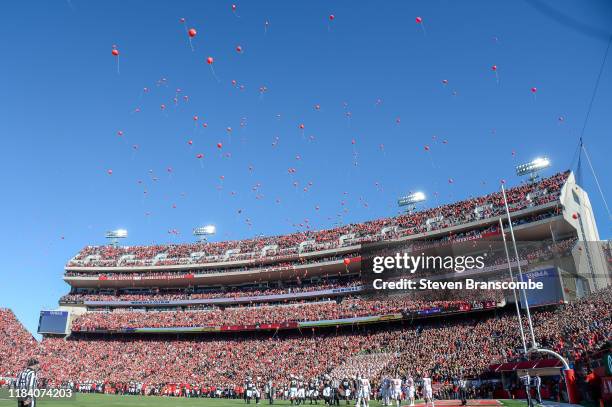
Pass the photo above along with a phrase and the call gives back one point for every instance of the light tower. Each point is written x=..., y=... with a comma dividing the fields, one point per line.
x=114, y=235
x=410, y=201
x=533, y=168
x=202, y=232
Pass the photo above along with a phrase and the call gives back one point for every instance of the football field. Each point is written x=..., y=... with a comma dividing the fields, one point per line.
x=103, y=400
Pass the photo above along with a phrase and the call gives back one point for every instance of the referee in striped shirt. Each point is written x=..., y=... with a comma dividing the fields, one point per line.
x=26, y=383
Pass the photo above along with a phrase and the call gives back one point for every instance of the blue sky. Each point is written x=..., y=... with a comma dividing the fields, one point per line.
x=64, y=103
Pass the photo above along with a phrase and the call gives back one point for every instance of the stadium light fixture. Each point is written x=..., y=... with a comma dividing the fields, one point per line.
x=411, y=200
x=114, y=235
x=533, y=168
x=202, y=232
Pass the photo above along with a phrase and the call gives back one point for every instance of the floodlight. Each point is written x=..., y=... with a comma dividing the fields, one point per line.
x=411, y=200
x=202, y=232
x=115, y=235
x=533, y=168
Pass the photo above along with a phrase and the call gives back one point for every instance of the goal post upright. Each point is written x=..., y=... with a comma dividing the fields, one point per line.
x=568, y=373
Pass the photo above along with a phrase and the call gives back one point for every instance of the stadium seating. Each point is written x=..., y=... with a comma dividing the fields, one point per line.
x=533, y=254
x=448, y=348
x=106, y=352
x=263, y=314
x=16, y=344
x=546, y=190
x=232, y=292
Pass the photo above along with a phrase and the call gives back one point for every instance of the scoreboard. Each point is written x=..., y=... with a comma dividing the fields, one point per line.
x=552, y=292
x=53, y=322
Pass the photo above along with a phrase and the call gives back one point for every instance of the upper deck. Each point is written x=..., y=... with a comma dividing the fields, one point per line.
x=435, y=223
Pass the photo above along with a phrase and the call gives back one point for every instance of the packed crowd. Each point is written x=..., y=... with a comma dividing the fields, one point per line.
x=350, y=307
x=79, y=296
x=520, y=197
x=532, y=252
x=471, y=234
x=573, y=330
x=548, y=250
x=370, y=365
x=535, y=252
x=579, y=328
x=295, y=264
x=447, y=348
x=17, y=345
x=210, y=361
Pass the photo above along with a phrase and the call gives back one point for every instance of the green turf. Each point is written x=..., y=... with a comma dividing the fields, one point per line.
x=513, y=403
x=100, y=400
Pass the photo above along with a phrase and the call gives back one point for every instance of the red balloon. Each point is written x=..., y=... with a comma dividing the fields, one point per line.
x=419, y=20
x=347, y=261
x=426, y=148
x=115, y=52
x=210, y=60
x=195, y=118
x=192, y=32
x=190, y=142
x=199, y=156
x=301, y=126
x=331, y=17
x=238, y=49
x=534, y=90
x=494, y=68
x=234, y=7
x=219, y=145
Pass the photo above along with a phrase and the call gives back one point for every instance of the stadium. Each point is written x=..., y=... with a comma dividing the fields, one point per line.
x=212, y=319
x=335, y=203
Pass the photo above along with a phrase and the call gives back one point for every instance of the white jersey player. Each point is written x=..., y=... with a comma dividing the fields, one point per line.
x=395, y=388
x=427, y=390
x=363, y=392
x=410, y=389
